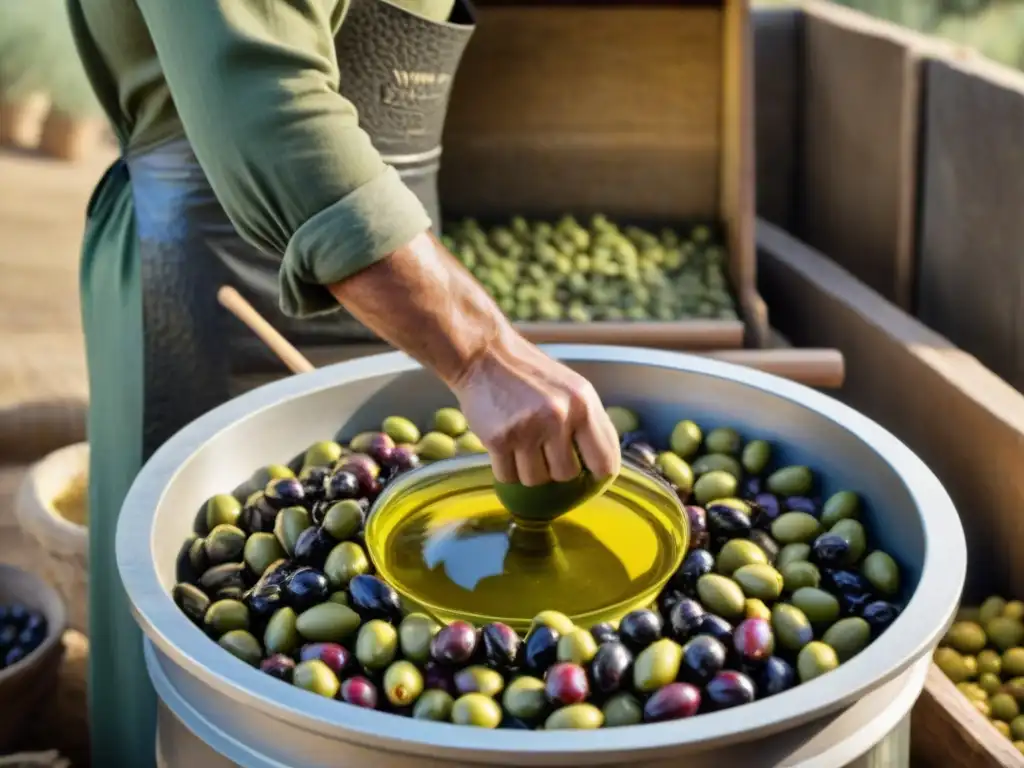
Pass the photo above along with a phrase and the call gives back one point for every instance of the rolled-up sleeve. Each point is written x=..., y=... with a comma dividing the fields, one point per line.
x=255, y=83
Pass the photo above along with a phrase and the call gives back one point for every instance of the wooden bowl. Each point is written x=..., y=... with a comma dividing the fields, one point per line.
x=25, y=686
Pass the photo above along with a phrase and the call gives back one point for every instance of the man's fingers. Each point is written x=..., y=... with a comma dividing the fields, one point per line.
x=504, y=467
x=599, y=455
x=532, y=467
x=561, y=459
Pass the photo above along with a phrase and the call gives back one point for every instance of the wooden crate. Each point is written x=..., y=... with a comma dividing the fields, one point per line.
x=965, y=422
x=639, y=110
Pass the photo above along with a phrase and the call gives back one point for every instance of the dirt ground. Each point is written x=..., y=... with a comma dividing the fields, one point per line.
x=43, y=385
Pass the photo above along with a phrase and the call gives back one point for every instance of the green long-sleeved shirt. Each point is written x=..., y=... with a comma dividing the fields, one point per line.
x=254, y=85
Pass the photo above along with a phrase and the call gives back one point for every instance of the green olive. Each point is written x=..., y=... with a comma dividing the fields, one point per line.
x=222, y=509
x=793, y=553
x=686, y=439
x=400, y=429
x=559, y=622
x=848, y=637
x=433, y=705
x=989, y=662
x=1004, y=707
x=376, y=644
x=844, y=505
x=791, y=481
x=721, y=596
x=677, y=471
x=477, y=710
x=225, y=615
x=800, y=573
x=281, y=635
x=714, y=485
x=815, y=659
x=363, y=442
x=756, y=609
x=479, y=679
x=737, y=553
x=657, y=665
x=575, y=717
x=450, y=421
x=990, y=684
x=242, y=645
x=343, y=519
x=345, y=561
x=973, y=691
x=623, y=419
x=882, y=573
x=1003, y=728
x=1005, y=633
x=966, y=637
x=340, y=597
x=192, y=600
x=755, y=457
x=414, y=636
x=468, y=442
x=289, y=525
x=1017, y=727
x=992, y=607
x=724, y=440
x=1013, y=662
x=435, y=446
x=224, y=544
x=951, y=663
x=525, y=698
x=322, y=454
x=261, y=551
x=316, y=677
x=759, y=580
x=853, y=532
x=819, y=606
x=327, y=623
x=577, y=646
x=622, y=709
x=1014, y=610
x=717, y=462
x=403, y=683
x=791, y=626
x=795, y=528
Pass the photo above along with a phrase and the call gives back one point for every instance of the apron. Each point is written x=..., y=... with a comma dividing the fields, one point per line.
x=160, y=349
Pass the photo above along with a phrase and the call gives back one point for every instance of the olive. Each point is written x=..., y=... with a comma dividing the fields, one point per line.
x=882, y=572
x=793, y=553
x=328, y=623
x=768, y=545
x=1004, y=707
x=853, y=604
x=221, y=577
x=792, y=628
x=261, y=551
x=264, y=600
x=242, y=645
x=632, y=437
x=610, y=666
x=276, y=574
x=623, y=419
x=402, y=683
x=727, y=522
x=322, y=454
x=737, y=553
x=756, y=609
x=192, y=600
x=795, y=528
x=966, y=637
x=853, y=532
x=775, y=676
x=291, y=521
x=1005, y=633
x=951, y=663
x=305, y=588
x=723, y=440
x=373, y=598
x=578, y=647
x=848, y=637
x=479, y=679
x=697, y=563
x=433, y=705
x=686, y=439
x=791, y=481
x=989, y=662
x=400, y=429
x=284, y=492
x=312, y=547
x=281, y=635
x=844, y=505
x=754, y=640
x=575, y=717
x=316, y=677
x=335, y=656
x=222, y=509
x=361, y=442
x=755, y=457
x=1013, y=662
x=404, y=457
x=622, y=709
x=477, y=710
x=345, y=561
x=721, y=596
x=751, y=487
x=642, y=453
x=657, y=665
x=566, y=683
x=279, y=666
x=716, y=627
x=729, y=689
x=435, y=446
x=450, y=421
x=604, y=633
x=343, y=485
x=800, y=574
x=439, y=676
x=1014, y=610
x=376, y=644
x=846, y=582
x=359, y=692
x=1017, y=728
x=343, y=519
x=638, y=629
x=414, y=636
x=557, y=621
x=525, y=698
x=880, y=614
x=381, y=448
x=767, y=508
x=454, y=644
x=817, y=605
x=677, y=471
x=672, y=702
x=759, y=580
x=469, y=443
x=540, y=649
x=702, y=658
x=719, y=462
x=699, y=534
x=814, y=660
x=226, y=615
x=224, y=544
x=685, y=619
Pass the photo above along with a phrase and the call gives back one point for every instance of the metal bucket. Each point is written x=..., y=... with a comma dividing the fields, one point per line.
x=215, y=705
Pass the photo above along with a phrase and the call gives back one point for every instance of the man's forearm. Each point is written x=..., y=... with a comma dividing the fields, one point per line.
x=422, y=301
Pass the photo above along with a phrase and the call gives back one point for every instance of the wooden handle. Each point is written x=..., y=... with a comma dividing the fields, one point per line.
x=824, y=368
x=233, y=301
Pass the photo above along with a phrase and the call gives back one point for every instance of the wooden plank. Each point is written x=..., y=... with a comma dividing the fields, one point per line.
x=777, y=41
x=861, y=82
x=971, y=274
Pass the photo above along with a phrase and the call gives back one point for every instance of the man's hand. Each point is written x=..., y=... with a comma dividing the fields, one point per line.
x=534, y=415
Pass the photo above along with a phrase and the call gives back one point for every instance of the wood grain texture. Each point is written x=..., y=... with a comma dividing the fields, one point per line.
x=971, y=272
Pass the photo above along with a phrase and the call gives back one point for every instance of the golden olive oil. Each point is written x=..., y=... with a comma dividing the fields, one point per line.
x=443, y=540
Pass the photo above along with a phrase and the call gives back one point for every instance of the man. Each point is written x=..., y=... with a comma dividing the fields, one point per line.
x=241, y=97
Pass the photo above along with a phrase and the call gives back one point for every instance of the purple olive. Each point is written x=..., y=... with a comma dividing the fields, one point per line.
x=698, y=517
x=697, y=563
x=566, y=684
x=440, y=677
x=313, y=546
x=767, y=508
x=279, y=666
x=604, y=633
x=716, y=627
x=341, y=485
x=802, y=504
x=540, y=650
x=752, y=486
x=685, y=619
x=335, y=656
x=381, y=448
x=726, y=522
x=405, y=457
x=359, y=692
x=775, y=676
x=672, y=702
x=305, y=588
x=364, y=468
x=284, y=492
x=638, y=629
x=754, y=640
x=703, y=658
x=610, y=667
x=501, y=646
x=880, y=615
x=455, y=644
x=830, y=550
x=729, y=689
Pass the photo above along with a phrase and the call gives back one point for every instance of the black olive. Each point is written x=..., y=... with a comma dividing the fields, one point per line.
x=766, y=508
x=610, y=667
x=305, y=588
x=342, y=485
x=703, y=658
x=880, y=614
x=775, y=676
x=699, y=538
x=752, y=486
x=768, y=545
x=802, y=504
x=853, y=604
x=313, y=546
x=540, y=650
x=667, y=600
x=263, y=601
x=229, y=593
x=638, y=629
x=697, y=563
x=284, y=492
x=373, y=598
x=8, y=637
x=727, y=522
x=277, y=573
x=258, y=515
x=716, y=627
x=314, y=482
x=501, y=646
x=845, y=582
x=830, y=550
x=631, y=438
x=192, y=601
x=221, y=576
x=729, y=689
x=642, y=453
x=604, y=633
x=685, y=619
x=513, y=724
x=184, y=572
